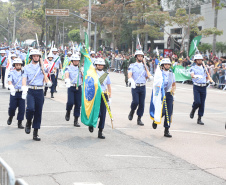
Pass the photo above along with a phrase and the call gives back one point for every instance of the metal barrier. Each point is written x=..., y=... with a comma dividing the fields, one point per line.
x=7, y=176
x=219, y=77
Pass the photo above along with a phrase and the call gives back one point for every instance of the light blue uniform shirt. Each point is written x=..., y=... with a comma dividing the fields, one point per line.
x=30, y=71
x=139, y=73
x=5, y=62
x=198, y=71
x=22, y=56
x=50, y=64
x=106, y=82
x=73, y=74
x=169, y=79
x=57, y=64
x=16, y=78
x=7, y=52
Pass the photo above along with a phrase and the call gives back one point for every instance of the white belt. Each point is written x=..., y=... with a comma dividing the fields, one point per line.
x=200, y=85
x=139, y=85
x=74, y=85
x=35, y=87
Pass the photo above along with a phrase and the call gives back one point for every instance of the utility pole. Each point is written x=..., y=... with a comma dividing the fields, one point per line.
x=63, y=32
x=189, y=17
x=89, y=24
x=215, y=26
x=46, y=26
x=14, y=28
x=56, y=33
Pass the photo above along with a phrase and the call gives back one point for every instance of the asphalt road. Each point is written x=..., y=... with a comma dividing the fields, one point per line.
x=130, y=154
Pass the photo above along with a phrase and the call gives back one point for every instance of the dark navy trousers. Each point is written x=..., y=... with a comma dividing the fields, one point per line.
x=138, y=95
x=3, y=76
x=74, y=98
x=53, y=79
x=35, y=101
x=169, y=103
x=199, y=99
x=17, y=101
x=56, y=78
x=102, y=114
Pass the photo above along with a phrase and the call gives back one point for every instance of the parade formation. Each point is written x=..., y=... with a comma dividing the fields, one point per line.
x=29, y=76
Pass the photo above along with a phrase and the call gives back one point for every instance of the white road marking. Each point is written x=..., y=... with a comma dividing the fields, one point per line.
x=183, y=89
x=125, y=128
x=88, y=183
x=135, y=156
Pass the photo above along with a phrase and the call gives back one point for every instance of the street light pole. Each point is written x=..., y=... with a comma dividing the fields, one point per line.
x=189, y=14
x=95, y=36
x=14, y=28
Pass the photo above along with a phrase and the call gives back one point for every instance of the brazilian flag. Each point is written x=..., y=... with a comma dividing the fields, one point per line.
x=91, y=93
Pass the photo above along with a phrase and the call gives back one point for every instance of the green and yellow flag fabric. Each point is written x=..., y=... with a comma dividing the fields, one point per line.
x=91, y=93
x=27, y=59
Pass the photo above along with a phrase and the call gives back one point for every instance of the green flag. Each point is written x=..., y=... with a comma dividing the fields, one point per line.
x=86, y=41
x=27, y=58
x=181, y=73
x=194, y=45
x=91, y=93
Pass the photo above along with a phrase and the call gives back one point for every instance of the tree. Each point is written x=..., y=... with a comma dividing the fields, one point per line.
x=74, y=35
x=38, y=18
x=144, y=23
x=205, y=47
x=217, y=6
x=220, y=47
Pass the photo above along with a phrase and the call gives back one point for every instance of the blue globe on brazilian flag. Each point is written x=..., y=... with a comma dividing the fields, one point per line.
x=91, y=93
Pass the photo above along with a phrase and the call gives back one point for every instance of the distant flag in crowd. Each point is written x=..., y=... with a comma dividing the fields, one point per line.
x=8, y=68
x=194, y=45
x=27, y=58
x=66, y=62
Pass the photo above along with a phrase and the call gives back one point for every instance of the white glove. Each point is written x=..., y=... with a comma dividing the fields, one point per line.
x=68, y=82
x=109, y=102
x=133, y=84
x=48, y=84
x=151, y=78
x=12, y=90
x=197, y=76
x=24, y=93
x=212, y=83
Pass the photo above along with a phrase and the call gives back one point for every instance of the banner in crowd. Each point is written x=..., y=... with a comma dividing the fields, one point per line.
x=168, y=52
x=182, y=73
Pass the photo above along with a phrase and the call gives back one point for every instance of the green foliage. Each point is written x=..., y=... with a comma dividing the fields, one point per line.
x=204, y=47
x=211, y=31
x=221, y=47
x=74, y=35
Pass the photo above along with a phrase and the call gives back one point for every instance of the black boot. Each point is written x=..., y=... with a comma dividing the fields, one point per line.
x=126, y=84
x=67, y=116
x=45, y=92
x=154, y=125
x=131, y=114
x=166, y=133
x=192, y=113
x=91, y=129
x=28, y=127
x=55, y=90
x=9, y=121
x=20, y=124
x=76, y=124
x=35, y=135
x=100, y=134
x=139, y=122
x=52, y=95
x=199, y=121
